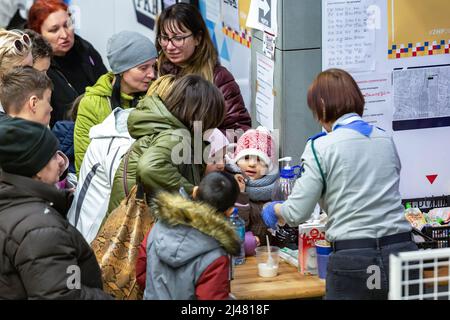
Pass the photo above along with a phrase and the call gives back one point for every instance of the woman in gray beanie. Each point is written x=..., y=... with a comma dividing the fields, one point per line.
x=132, y=58
x=41, y=255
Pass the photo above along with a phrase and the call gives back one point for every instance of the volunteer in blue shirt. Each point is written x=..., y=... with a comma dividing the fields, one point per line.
x=353, y=171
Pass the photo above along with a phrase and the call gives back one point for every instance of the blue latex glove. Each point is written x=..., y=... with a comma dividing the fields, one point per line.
x=268, y=215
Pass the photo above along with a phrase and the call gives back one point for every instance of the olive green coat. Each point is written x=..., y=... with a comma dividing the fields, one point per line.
x=154, y=157
x=93, y=109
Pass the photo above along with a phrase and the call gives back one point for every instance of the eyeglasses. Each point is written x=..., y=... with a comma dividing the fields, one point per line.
x=177, y=41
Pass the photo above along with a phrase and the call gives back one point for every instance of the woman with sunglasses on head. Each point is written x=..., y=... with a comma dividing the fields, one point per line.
x=75, y=63
x=186, y=48
x=15, y=50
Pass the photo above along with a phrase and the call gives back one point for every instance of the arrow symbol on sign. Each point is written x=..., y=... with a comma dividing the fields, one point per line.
x=432, y=177
x=264, y=5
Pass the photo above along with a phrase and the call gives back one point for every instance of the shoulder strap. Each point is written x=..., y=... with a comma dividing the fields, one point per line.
x=125, y=173
x=109, y=103
x=324, y=182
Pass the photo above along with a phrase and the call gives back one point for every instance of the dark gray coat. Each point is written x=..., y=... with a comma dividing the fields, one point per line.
x=40, y=252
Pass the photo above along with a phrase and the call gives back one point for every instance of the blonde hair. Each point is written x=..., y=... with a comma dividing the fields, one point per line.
x=161, y=86
x=10, y=58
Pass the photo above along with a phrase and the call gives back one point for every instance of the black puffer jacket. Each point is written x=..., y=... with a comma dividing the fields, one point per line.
x=88, y=63
x=41, y=254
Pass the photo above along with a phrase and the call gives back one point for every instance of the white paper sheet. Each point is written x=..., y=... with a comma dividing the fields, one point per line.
x=378, y=94
x=230, y=12
x=263, y=16
x=213, y=11
x=269, y=45
x=264, y=91
x=348, y=36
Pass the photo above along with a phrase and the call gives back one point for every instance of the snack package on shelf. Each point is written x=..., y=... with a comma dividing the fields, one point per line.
x=415, y=217
x=439, y=215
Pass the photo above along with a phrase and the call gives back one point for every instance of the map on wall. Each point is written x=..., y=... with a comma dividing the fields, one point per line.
x=421, y=98
x=418, y=28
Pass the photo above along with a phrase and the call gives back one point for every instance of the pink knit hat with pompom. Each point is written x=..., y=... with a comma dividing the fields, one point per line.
x=258, y=142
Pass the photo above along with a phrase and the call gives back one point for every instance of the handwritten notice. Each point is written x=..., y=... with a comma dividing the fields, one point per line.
x=349, y=35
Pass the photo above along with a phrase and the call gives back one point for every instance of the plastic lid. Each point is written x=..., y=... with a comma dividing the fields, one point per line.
x=287, y=172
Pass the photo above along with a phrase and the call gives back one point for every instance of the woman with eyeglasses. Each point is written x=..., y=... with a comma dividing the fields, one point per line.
x=15, y=51
x=75, y=63
x=185, y=48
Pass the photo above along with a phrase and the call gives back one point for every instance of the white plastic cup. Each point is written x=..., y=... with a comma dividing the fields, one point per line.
x=265, y=269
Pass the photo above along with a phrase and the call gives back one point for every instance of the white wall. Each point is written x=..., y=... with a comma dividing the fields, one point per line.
x=98, y=20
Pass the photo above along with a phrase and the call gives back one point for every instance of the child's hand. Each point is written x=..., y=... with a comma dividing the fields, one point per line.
x=241, y=181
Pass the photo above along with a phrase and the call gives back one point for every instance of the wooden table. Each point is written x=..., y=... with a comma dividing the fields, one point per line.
x=288, y=284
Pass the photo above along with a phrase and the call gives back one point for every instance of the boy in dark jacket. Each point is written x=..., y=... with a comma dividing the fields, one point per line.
x=41, y=255
x=188, y=248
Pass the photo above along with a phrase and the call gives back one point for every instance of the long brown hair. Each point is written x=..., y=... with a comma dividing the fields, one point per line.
x=186, y=17
x=193, y=98
x=334, y=93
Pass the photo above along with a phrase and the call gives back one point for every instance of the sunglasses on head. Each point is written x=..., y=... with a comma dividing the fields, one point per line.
x=23, y=43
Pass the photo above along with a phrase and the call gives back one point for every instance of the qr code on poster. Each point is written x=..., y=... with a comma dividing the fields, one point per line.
x=233, y=3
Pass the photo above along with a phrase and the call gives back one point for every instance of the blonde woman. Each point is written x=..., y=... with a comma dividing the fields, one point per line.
x=15, y=50
x=186, y=48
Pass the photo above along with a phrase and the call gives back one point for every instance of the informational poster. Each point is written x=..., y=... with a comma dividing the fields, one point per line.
x=263, y=16
x=212, y=11
x=264, y=91
x=348, y=40
x=269, y=45
x=234, y=53
x=146, y=12
x=418, y=28
x=235, y=14
x=377, y=91
x=230, y=12
x=422, y=98
x=406, y=84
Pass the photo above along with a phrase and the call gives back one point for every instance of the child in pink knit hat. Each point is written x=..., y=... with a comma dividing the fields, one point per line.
x=255, y=166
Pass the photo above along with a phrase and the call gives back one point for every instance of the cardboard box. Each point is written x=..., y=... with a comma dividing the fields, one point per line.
x=307, y=235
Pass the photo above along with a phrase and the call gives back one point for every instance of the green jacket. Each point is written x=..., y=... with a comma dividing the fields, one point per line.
x=93, y=109
x=160, y=139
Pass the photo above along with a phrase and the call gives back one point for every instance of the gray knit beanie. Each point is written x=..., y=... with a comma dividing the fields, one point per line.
x=128, y=49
